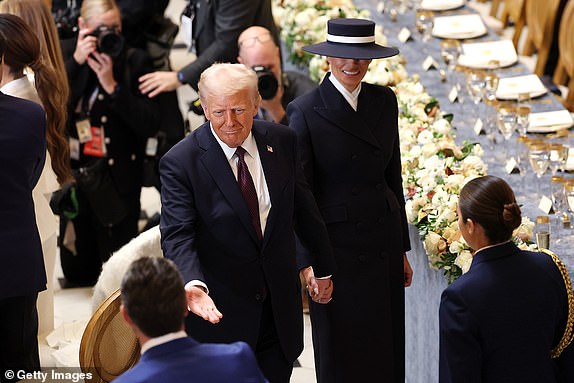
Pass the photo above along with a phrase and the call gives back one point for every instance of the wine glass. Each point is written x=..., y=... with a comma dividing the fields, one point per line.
x=475, y=84
x=450, y=51
x=424, y=23
x=539, y=157
x=522, y=118
x=506, y=122
x=557, y=157
x=569, y=195
x=558, y=201
x=490, y=85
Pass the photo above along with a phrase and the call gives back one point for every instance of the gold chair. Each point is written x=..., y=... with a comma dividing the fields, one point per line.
x=514, y=9
x=109, y=346
x=494, y=8
x=540, y=18
x=565, y=68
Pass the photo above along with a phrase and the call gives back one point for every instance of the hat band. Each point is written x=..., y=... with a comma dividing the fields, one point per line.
x=350, y=39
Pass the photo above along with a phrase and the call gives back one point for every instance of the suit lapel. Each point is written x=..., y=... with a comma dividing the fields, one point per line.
x=218, y=167
x=271, y=168
x=337, y=110
x=370, y=110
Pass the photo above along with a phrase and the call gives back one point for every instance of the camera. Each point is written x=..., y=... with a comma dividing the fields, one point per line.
x=110, y=41
x=267, y=83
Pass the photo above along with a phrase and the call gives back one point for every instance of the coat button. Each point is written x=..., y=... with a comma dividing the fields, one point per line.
x=104, y=119
x=100, y=96
x=133, y=157
x=354, y=157
x=355, y=191
x=381, y=220
x=257, y=297
x=107, y=140
x=379, y=186
x=360, y=226
x=111, y=162
x=362, y=258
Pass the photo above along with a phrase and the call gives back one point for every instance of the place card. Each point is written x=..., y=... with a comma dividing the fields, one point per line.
x=545, y=204
x=429, y=63
x=453, y=95
x=381, y=7
x=511, y=166
x=478, y=125
x=404, y=35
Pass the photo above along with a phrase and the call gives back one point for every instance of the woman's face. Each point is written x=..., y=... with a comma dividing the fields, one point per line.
x=110, y=19
x=349, y=72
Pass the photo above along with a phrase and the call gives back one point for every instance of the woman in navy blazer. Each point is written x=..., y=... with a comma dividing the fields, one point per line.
x=22, y=275
x=505, y=319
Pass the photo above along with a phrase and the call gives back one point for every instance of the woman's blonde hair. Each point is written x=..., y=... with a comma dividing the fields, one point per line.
x=92, y=8
x=53, y=90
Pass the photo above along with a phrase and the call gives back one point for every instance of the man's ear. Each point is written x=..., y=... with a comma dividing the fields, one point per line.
x=239, y=60
x=126, y=316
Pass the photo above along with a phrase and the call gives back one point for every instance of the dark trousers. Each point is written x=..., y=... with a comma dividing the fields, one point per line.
x=18, y=336
x=269, y=354
x=95, y=242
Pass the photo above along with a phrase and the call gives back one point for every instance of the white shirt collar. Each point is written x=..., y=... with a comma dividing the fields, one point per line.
x=153, y=342
x=351, y=97
x=249, y=145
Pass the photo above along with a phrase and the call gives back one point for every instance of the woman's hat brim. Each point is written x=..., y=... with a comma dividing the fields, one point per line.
x=352, y=51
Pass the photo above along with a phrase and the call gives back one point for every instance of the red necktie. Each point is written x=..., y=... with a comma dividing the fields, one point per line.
x=248, y=190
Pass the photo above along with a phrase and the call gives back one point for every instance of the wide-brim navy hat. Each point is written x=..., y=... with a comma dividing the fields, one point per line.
x=351, y=39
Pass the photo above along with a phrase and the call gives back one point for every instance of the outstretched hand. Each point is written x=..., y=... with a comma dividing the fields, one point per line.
x=201, y=304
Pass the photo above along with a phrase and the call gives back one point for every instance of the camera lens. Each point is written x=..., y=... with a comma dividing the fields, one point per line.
x=110, y=41
x=267, y=85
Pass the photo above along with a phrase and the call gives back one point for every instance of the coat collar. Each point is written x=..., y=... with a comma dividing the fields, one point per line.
x=174, y=346
x=218, y=167
x=338, y=111
x=505, y=249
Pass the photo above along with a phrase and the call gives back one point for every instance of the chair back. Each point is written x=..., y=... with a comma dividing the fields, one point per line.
x=540, y=19
x=515, y=10
x=565, y=67
x=109, y=346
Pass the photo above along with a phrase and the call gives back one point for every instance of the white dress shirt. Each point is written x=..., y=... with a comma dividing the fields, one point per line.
x=351, y=97
x=153, y=342
x=253, y=162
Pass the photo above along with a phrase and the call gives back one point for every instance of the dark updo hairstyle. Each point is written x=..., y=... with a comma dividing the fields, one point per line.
x=490, y=202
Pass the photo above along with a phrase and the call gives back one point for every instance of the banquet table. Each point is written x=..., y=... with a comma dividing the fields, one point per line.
x=423, y=297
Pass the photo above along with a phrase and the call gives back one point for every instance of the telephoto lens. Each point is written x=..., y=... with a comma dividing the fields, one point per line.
x=267, y=83
x=110, y=41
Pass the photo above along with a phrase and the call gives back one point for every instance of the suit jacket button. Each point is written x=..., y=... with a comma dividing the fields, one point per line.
x=379, y=186
x=354, y=157
x=355, y=191
x=100, y=96
x=381, y=220
x=362, y=258
x=104, y=119
x=133, y=157
x=107, y=140
x=360, y=225
x=257, y=297
x=111, y=162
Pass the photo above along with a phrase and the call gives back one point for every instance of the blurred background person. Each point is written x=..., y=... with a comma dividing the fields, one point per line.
x=505, y=320
x=349, y=143
x=216, y=25
x=259, y=51
x=155, y=306
x=22, y=156
x=50, y=89
x=110, y=122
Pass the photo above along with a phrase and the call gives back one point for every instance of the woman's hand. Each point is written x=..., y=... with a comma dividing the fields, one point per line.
x=103, y=66
x=85, y=46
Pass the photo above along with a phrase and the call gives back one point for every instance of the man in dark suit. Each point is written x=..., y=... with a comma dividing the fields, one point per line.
x=154, y=305
x=349, y=141
x=233, y=196
x=216, y=25
x=22, y=274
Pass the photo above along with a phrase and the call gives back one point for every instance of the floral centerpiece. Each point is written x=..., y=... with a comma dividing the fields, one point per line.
x=434, y=167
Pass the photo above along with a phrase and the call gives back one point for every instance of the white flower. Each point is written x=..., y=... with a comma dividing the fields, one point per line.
x=431, y=243
x=464, y=260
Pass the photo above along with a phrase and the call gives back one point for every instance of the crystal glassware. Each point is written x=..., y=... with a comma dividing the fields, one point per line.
x=539, y=157
x=542, y=230
x=424, y=23
x=557, y=157
x=522, y=118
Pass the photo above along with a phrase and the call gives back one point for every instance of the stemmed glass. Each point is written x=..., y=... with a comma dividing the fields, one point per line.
x=424, y=23
x=506, y=122
x=558, y=201
x=557, y=156
x=475, y=84
x=569, y=192
x=539, y=157
x=522, y=119
x=450, y=51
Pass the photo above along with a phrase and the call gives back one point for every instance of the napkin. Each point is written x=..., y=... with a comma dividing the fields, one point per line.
x=441, y=5
x=459, y=26
x=550, y=121
x=478, y=55
x=510, y=87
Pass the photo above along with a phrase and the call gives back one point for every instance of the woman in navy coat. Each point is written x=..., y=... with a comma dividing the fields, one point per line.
x=349, y=143
x=505, y=320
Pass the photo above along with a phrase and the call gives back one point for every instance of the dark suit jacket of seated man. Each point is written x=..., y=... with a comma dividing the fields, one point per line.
x=207, y=228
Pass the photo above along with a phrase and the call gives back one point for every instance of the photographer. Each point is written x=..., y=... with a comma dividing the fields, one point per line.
x=109, y=125
x=258, y=50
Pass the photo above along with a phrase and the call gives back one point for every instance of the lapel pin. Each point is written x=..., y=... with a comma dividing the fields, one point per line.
x=269, y=149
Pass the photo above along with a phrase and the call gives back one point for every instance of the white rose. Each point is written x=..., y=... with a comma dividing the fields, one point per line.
x=464, y=260
x=442, y=126
x=431, y=242
x=425, y=137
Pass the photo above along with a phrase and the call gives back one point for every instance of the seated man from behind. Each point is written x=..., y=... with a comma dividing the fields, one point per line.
x=257, y=50
x=154, y=305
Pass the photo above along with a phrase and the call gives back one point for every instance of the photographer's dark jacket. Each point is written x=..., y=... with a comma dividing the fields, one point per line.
x=127, y=116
